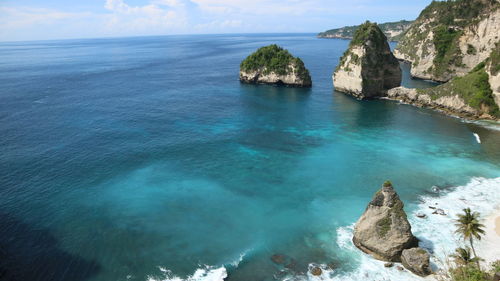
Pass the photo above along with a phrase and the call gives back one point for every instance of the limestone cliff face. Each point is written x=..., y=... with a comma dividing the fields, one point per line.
x=383, y=230
x=452, y=104
x=475, y=95
x=368, y=68
x=274, y=65
x=493, y=71
x=263, y=76
x=450, y=38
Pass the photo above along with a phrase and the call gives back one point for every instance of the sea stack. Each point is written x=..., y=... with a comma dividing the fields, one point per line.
x=274, y=65
x=383, y=230
x=368, y=68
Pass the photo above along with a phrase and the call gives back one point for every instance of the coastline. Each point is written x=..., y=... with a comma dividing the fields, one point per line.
x=444, y=110
x=436, y=232
x=488, y=246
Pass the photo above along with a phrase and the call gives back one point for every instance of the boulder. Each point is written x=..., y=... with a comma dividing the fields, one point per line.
x=421, y=215
x=368, y=68
x=383, y=230
x=274, y=65
x=316, y=271
x=417, y=261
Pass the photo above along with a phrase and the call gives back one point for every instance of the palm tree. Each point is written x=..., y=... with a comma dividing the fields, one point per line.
x=463, y=256
x=469, y=227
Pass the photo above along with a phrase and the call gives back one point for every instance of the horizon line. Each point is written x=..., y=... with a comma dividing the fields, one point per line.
x=141, y=36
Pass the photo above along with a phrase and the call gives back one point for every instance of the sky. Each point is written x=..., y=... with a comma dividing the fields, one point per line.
x=63, y=19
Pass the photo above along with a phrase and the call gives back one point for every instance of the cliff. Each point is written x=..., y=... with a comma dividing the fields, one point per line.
x=392, y=30
x=471, y=96
x=450, y=38
x=274, y=65
x=368, y=68
x=493, y=70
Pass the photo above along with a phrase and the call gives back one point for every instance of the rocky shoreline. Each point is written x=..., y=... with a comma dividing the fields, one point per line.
x=450, y=105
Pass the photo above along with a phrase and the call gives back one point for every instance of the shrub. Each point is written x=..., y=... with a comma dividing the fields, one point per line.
x=369, y=31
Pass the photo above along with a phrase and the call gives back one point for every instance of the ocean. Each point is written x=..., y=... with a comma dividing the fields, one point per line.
x=145, y=159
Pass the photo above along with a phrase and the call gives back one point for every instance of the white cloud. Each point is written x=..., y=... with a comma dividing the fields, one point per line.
x=157, y=17
x=148, y=19
x=26, y=16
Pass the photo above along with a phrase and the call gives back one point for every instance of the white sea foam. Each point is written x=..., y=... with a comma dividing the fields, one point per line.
x=206, y=273
x=490, y=124
x=437, y=232
x=478, y=139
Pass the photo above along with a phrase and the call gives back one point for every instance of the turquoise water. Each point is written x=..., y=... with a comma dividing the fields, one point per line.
x=145, y=158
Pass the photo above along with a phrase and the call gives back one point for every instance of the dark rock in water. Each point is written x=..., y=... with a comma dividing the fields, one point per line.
x=416, y=260
x=316, y=271
x=431, y=207
x=439, y=212
x=388, y=264
x=291, y=264
x=278, y=259
x=285, y=261
x=383, y=230
x=332, y=265
x=421, y=215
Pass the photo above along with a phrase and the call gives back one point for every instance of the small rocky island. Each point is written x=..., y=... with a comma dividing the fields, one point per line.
x=274, y=65
x=383, y=231
x=368, y=68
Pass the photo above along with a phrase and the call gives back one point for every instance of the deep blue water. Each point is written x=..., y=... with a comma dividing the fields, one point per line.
x=123, y=157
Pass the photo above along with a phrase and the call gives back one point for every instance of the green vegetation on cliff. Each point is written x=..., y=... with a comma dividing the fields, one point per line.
x=447, y=20
x=275, y=59
x=495, y=59
x=366, y=32
x=389, y=28
x=369, y=31
x=473, y=88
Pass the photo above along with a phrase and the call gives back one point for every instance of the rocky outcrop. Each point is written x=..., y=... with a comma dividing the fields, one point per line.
x=450, y=38
x=452, y=104
x=383, y=230
x=274, y=65
x=368, y=68
x=470, y=96
x=392, y=30
x=416, y=260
